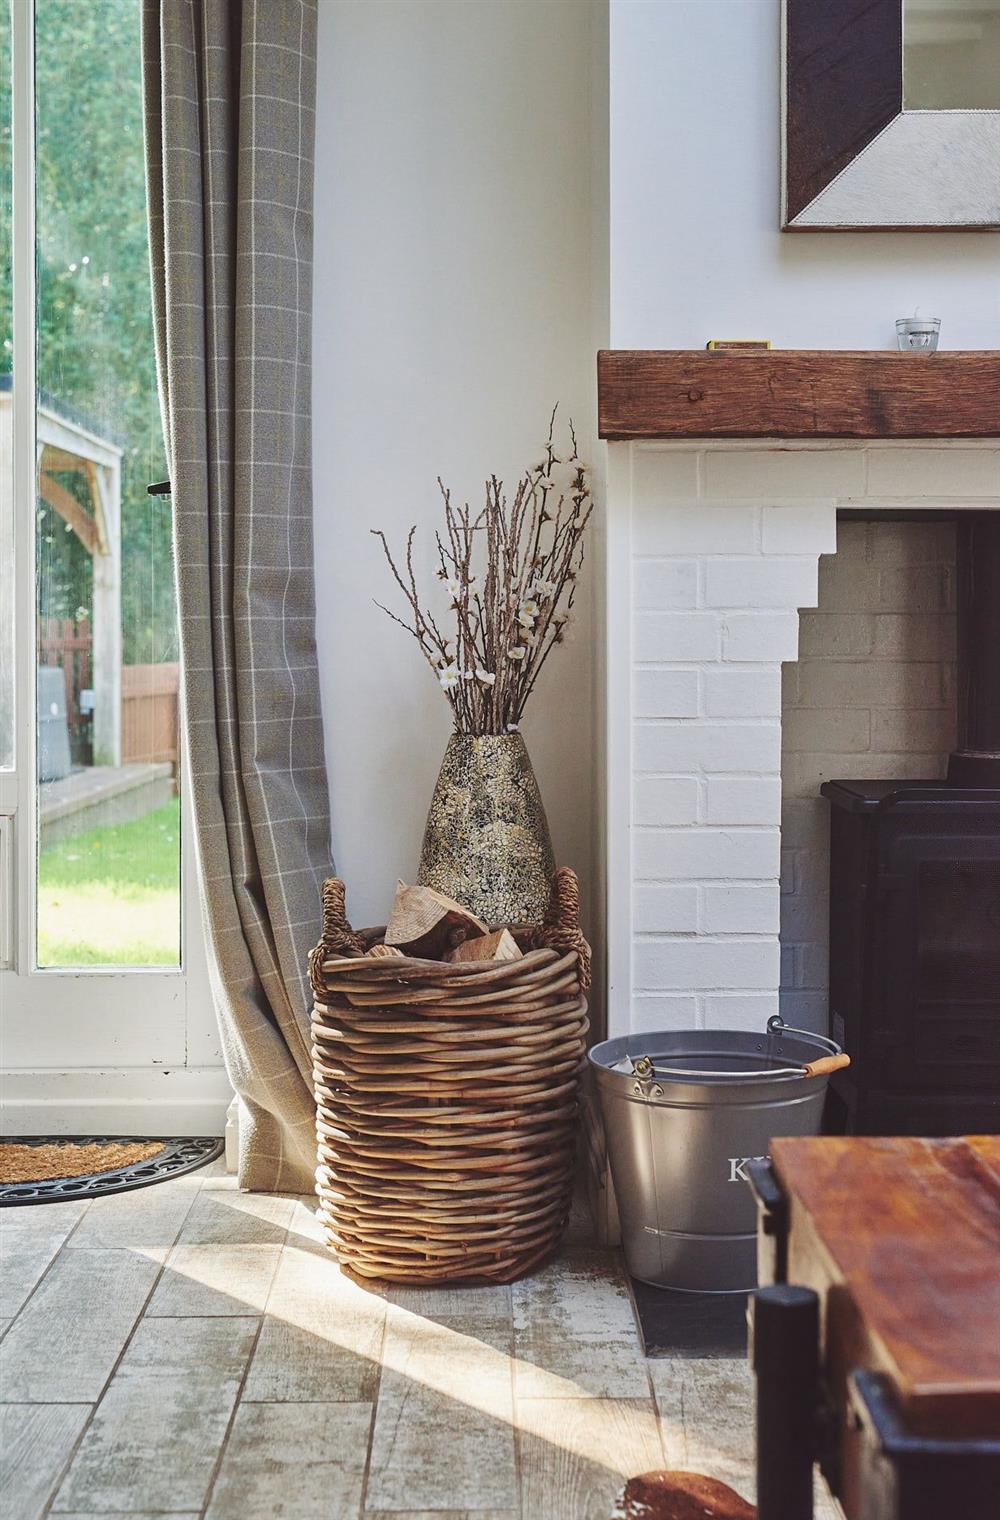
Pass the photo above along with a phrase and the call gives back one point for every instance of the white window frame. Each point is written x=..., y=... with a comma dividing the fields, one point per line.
x=90, y=1025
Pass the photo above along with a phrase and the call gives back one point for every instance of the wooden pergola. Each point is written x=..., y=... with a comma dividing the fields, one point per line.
x=66, y=445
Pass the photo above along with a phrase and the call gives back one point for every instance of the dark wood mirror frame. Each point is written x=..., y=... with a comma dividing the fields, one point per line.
x=853, y=158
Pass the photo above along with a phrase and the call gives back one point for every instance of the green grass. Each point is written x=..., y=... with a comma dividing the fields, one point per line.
x=111, y=896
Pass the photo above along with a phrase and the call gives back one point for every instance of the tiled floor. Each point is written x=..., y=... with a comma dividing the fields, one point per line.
x=188, y=1349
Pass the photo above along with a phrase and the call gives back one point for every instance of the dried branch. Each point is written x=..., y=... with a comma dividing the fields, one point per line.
x=510, y=576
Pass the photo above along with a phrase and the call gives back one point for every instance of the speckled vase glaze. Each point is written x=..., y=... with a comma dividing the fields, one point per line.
x=486, y=843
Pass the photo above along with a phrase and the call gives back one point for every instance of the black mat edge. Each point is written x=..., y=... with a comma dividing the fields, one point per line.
x=179, y=1155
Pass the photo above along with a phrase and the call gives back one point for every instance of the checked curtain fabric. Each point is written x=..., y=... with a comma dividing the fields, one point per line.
x=229, y=103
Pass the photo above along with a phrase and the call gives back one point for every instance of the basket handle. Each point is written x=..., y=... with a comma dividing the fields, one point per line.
x=338, y=936
x=560, y=928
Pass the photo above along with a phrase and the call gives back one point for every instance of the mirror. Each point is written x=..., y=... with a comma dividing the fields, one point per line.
x=951, y=55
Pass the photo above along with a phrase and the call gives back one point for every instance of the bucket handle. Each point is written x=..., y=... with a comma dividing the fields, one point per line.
x=645, y=1071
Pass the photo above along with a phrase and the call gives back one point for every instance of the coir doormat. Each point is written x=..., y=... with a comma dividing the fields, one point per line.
x=47, y=1168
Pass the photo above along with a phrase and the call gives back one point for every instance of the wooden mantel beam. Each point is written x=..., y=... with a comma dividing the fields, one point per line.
x=797, y=393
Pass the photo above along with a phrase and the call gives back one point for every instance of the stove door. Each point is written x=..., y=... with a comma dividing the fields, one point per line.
x=941, y=960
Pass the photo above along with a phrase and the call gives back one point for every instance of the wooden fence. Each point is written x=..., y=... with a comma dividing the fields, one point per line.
x=150, y=728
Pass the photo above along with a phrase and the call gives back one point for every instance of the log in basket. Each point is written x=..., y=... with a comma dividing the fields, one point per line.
x=447, y=1098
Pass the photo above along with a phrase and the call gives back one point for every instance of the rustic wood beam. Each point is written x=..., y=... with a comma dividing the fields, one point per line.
x=70, y=510
x=797, y=393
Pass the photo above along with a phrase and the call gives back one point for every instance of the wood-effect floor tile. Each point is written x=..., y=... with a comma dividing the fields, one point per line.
x=156, y=1435
x=147, y=1219
x=707, y=1417
x=35, y=1444
x=576, y=1454
x=30, y=1237
x=224, y=1216
x=443, y=1436
x=206, y=1281
x=575, y=1333
x=64, y=1343
x=321, y=1337
x=293, y=1462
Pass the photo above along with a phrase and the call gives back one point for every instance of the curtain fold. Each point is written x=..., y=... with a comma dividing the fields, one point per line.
x=230, y=107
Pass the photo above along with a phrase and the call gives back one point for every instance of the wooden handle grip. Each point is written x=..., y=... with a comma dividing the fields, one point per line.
x=826, y=1064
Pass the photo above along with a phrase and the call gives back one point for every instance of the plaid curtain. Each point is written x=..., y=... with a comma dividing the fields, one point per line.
x=229, y=106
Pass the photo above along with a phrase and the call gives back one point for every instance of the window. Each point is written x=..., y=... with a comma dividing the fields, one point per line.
x=105, y=653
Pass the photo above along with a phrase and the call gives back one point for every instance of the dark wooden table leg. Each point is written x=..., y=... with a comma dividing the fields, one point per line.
x=784, y=1324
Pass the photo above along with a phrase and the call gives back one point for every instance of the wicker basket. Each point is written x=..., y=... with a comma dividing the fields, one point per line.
x=446, y=1098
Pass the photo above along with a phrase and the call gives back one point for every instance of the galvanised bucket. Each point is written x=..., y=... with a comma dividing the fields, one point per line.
x=683, y=1112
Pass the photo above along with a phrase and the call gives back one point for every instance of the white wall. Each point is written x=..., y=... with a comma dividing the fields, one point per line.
x=695, y=247
x=454, y=304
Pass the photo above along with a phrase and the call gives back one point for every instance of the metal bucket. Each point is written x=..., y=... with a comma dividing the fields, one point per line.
x=683, y=1112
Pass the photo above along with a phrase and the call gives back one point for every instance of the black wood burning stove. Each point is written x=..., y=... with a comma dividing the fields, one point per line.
x=915, y=906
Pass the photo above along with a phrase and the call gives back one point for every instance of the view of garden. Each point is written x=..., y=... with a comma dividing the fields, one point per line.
x=110, y=893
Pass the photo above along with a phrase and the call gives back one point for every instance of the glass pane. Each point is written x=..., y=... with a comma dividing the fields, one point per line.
x=951, y=55
x=6, y=416
x=109, y=828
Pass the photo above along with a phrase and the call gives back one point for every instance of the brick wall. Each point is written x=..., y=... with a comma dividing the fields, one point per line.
x=871, y=695
x=717, y=553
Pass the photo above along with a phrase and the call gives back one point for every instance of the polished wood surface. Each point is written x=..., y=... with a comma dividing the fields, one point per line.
x=797, y=393
x=901, y=1238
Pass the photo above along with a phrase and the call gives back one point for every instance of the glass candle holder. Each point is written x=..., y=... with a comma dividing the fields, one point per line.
x=918, y=332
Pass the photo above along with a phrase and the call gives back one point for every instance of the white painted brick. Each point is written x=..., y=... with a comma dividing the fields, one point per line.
x=660, y=585
x=680, y=747
x=670, y=636
x=760, y=635
x=702, y=854
x=665, y=909
x=784, y=472
x=870, y=683
x=934, y=472
x=915, y=730
x=917, y=588
x=764, y=582
x=687, y=964
x=810, y=528
x=694, y=528
x=740, y=909
x=831, y=635
x=807, y=729
x=915, y=636
x=754, y=693
x=911, y=543
x=651, y=1013
x=662, y=474
x=748, y=1011
x=665, y=800
x=665, y=693
x=743, y=799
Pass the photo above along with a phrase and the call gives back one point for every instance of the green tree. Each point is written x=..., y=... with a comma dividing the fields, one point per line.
x=94, y=321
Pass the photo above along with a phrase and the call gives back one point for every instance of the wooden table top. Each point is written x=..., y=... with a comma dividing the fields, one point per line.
x=902, y=1239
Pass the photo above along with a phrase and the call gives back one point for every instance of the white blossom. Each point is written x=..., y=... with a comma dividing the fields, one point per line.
x=466, y=675
x=487, y=677
x=512, y=728
x=453, y=587
x=448, y=677
x=518, y=652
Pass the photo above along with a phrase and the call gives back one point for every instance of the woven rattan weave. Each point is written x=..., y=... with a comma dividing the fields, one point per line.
x=447, y=1098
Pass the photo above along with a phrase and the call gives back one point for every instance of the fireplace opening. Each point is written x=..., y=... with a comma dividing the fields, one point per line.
x=891, y=823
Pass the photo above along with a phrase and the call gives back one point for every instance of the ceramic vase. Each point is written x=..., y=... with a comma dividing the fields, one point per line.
x=486, y=842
